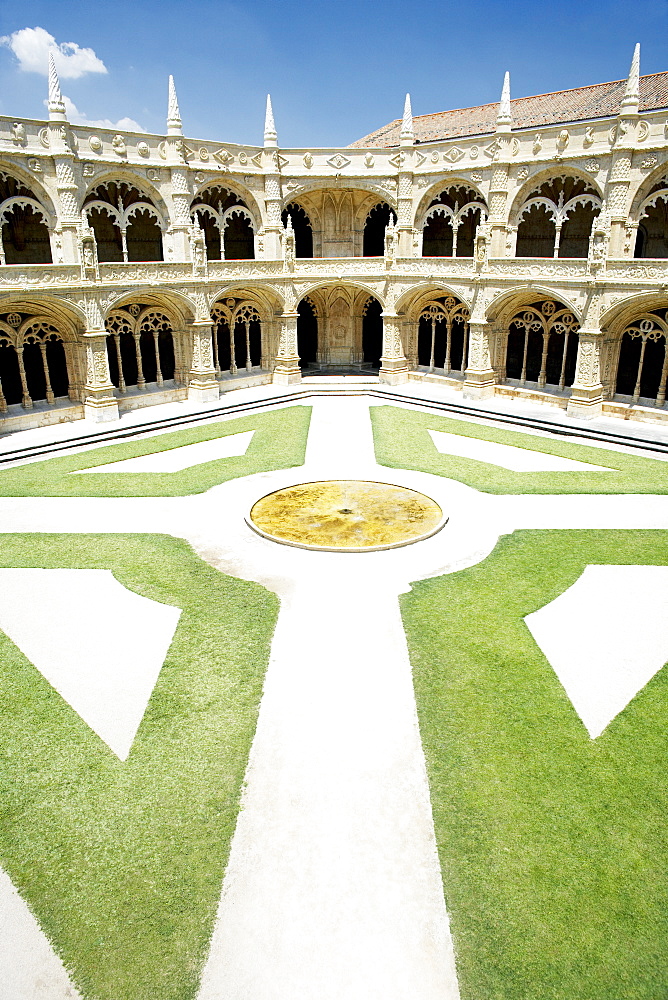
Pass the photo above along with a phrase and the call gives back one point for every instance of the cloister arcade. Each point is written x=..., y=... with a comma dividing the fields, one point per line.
x=25, y=224
x=442, y=336
x=237, y=336
x=126, y=223
x=227, y=223
x=450, y=222
x=140, y=347
x=541, y=347
x=555, y=218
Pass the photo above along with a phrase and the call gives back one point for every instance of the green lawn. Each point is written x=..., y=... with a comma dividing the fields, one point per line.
x=122, y=863
x=402, y=442
x=553, y=847
x=279, y=442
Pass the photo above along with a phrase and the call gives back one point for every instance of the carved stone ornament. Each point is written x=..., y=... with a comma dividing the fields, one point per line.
x=143, y=149
x=476, y=177
x=563, y=139
x=434, y=157
x=243, y=158
x=18, y=134
x=257, y=159
x=453, y=155
x=162, y=150
x=338, y=161
x=118, y=145
x=522, y=173
x=203, y=154
x=514, y=147
x=649, y=162
x=419, y=159
x=592, y=166
x=537, y=144
x=643, y=131
x=474, y=152
x=43, y=136
x=199, y=177
x=34, y=165
x=95, y=144
x=223, y=156
x=588, y=139
x=153, y=174
x=88, y=170
x=307, y=160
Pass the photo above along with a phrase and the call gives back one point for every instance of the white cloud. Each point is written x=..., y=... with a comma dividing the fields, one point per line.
x=31, y=46
x=76, y=117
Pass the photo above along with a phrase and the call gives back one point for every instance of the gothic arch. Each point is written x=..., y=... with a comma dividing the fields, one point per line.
x=556, y=217
x=641, y=358
x=128, y=226
x=537, y=180
x=39, y=362
x=239, y=322
x=141, y=346
x=146, y=188
x=434, y=191
x=25, y=223
x=243, y=194
x=32, y=183
x=657, y=177
x=541, y=343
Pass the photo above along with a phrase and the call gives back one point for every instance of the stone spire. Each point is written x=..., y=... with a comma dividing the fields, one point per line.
x=632, y=96
x=504, y=119
x=56, y=103
x=407, y=134
x=270, y=136
x=174, y=126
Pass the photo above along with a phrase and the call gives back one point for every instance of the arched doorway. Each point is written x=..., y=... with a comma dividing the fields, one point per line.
x=307, y=333
x=372, y=333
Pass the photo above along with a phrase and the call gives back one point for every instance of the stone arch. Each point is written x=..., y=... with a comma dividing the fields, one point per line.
x=338, y=215
x=554, y=213
x=25, y=223
x=642, y=362
x=626, y=374
x=128, y=226
x=140, y=346
x=238, y=323
x=39, y=361
x=342, y=313
x=450, y=220
x=229, y=225
x=433, y=191
x=541, y=344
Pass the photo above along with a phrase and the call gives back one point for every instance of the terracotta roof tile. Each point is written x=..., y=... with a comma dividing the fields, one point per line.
x=602, y=100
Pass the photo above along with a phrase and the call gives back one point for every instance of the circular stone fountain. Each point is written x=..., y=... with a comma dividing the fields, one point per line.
x=346, y=515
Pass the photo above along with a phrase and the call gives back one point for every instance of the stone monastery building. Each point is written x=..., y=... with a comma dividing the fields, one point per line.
x=518, y=249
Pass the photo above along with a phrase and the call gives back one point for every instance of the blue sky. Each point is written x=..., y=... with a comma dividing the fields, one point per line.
x=335, y=71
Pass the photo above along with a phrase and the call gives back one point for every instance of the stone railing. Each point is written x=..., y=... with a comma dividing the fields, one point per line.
x=642, y=271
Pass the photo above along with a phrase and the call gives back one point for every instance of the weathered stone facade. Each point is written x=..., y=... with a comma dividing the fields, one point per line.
x=488, y=249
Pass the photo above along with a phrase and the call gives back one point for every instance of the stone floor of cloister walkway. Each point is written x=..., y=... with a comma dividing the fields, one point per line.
x=333, y=886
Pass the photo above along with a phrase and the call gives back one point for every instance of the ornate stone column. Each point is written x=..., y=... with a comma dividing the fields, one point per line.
x=587, y=392
x=100, y=404
x=202, y=384
x=393, y=364
x=287, y=370
x=480, y=377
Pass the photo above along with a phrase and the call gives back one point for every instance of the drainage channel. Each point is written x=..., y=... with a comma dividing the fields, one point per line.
x=438, y=406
